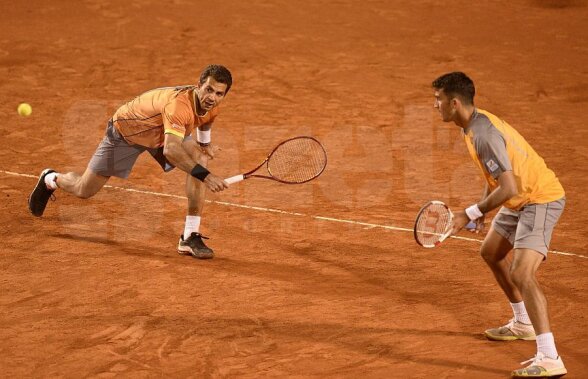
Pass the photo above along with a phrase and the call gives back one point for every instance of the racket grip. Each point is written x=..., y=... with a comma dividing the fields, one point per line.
x=471, y=225
x=235, y=179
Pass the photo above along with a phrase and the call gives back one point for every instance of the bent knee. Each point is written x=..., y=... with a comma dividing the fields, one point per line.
x=489, y=255
x=522, y=278
x=85, y=189
x=85, y=193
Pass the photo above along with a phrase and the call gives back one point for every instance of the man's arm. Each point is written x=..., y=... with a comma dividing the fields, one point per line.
x=490, y=147
x=486, y=191
x=507, y=188
x=205, y=127
x=480, y=222
x=175, y=153
x=204, y=140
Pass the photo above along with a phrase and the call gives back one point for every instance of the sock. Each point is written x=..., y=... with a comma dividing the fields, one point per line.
x=546, y=345
x=520, y=312
x=192, y=225
x=50, y=180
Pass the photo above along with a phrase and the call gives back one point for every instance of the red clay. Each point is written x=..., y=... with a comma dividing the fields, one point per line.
x=96, y=289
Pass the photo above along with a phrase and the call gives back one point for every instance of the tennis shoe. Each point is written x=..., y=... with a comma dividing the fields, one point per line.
x=41, y=194
x=194, y=246
x=512, y=331
x=541, y=367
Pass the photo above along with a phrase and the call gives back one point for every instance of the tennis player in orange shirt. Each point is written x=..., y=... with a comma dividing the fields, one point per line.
x=174, y=125
x=531, y=200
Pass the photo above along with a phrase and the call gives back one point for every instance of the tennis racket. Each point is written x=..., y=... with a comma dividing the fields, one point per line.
x=294, y=161
x=433, y=224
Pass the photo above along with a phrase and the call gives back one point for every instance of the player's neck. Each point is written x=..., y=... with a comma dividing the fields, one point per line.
x=464, y=116
x=197, y=109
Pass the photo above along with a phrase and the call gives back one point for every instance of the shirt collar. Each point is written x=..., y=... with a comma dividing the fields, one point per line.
x=472, y=118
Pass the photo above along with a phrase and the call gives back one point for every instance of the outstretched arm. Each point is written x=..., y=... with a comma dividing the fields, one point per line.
x=175, y=153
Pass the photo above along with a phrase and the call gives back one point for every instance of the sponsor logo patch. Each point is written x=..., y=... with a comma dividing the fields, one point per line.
x=492, y=166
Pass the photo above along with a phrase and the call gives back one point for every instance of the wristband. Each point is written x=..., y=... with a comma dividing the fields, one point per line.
x=199, y=172
x=203, y=137
x=474, y=212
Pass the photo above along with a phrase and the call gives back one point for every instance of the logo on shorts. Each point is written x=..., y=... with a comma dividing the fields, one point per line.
x=492, y=166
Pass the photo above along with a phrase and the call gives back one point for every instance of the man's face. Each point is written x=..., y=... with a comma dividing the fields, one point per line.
x=210, y=93
x=445, y=105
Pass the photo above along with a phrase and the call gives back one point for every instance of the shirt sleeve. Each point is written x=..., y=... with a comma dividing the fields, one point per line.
x=491, y=149
x=175, y=119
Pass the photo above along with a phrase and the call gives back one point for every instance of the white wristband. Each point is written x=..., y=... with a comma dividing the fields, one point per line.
x=203, y=136
x=474, y=212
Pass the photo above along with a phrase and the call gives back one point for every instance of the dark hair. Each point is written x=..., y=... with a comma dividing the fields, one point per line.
x=456, y=84
x=219, y=73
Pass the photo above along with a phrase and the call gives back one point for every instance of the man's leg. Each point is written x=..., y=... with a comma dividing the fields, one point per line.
x=523, y=273
x=113, y=157
x=84, y=186
x=495, y=251
x=195, y=189
x=191, y=240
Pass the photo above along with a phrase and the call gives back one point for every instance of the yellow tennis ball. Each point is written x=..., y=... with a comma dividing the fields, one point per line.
x=24, y=109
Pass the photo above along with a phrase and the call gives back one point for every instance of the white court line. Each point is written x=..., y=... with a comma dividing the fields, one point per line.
x=272, y=210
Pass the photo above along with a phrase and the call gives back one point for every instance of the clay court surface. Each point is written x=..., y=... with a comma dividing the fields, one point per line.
x=332, y=286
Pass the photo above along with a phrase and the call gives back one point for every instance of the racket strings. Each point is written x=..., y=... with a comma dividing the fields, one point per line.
x=297, y=161
x=433, y=223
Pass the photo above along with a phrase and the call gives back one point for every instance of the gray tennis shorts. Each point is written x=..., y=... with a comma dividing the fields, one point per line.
x=531, y=227
x=116, y=157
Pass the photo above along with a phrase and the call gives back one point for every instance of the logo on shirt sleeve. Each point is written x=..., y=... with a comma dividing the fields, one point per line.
x=492, y=166
x=177, y=127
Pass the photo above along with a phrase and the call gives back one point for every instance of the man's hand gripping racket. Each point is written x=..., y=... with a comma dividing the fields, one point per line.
x=435, y=222
x=294, y=161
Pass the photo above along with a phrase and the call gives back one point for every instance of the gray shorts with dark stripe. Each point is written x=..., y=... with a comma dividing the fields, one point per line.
x=531, y=227
x=116, y=157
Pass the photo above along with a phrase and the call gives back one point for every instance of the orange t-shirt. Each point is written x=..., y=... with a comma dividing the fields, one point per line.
x=147, y=118
x=495, y=147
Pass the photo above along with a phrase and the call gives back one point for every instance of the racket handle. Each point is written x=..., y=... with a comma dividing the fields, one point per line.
x=471, y=225
x=235, y=179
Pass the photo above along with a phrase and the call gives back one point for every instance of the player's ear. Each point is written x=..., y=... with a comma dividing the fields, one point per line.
x=455, y=103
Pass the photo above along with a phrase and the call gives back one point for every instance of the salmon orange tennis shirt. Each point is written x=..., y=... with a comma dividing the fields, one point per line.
x=496, y=147
x=147, y=118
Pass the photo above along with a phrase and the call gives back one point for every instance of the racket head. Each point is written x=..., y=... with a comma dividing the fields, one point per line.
x=433, y=224
x=297, y=160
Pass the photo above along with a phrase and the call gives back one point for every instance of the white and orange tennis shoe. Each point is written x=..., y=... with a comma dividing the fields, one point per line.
x=512, y=331
x=541, y=367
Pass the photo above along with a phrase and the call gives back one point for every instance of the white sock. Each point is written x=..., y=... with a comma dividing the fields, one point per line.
x=192, y=225
x=520, y=312
x=546, y=345
x=50, y=180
